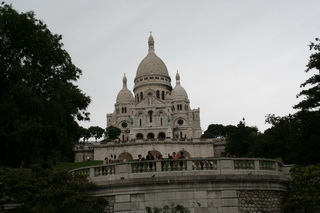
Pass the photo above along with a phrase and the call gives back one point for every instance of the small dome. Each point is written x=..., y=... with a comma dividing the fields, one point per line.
x=151, y=64
x=125, y=95
x=178, y=92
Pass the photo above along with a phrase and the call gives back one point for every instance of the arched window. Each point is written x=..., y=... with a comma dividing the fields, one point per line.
x=140, y=122
x=150, y=135
x=139, y=136
x=137, y=97
x=161, y=135
x=161, y=118
x=158, y=94
x=150, y=98
x=141, y=96
x=162, y=95
x=150, y=116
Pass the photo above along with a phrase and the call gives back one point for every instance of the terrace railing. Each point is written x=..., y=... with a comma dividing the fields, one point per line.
x=228, y=165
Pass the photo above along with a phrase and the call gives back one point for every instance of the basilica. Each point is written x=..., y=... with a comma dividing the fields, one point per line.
x=153, y=117
x=154, y=110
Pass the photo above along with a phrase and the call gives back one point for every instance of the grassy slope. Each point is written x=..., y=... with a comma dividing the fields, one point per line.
x=69, y=165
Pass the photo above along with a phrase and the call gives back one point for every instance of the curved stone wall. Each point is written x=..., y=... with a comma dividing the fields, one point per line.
x=225, y=185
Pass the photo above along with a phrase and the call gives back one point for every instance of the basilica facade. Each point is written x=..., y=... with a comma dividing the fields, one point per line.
x=154, y=117
x=154, y=110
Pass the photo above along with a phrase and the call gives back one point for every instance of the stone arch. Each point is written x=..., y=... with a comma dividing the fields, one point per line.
x=186, y=154
x=139, y=136
x=125, y=156
x=155, y=153
x=150, y=135
x=140, y=113
x=161, y=135
x=160, y=112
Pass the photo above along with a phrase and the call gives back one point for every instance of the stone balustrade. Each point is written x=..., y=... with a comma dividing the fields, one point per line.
x=168, y=167
x=214, y=185
x=83, y=147
x=215, y=140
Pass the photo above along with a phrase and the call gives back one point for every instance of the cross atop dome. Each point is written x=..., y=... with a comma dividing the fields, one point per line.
x=177, y=78
x=151, y=43
x=124, y=81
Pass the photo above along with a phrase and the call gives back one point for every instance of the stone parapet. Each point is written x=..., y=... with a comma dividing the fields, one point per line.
x=201, y=184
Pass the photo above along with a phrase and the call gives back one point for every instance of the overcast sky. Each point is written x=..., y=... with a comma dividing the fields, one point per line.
x=236, y=59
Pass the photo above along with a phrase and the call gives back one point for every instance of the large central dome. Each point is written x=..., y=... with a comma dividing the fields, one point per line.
x=151, y=64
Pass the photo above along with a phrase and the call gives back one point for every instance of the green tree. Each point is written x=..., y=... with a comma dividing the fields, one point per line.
x=240, y=141
x=81, y=133
x=218, y=131
x=96, y=132
x=281, y=140
x=311, y=101
x=303, y=194
x=39, y=104
x=308, y=116
x=112, y=132
x=296, y=137
x=86, y=134
x=48, y=191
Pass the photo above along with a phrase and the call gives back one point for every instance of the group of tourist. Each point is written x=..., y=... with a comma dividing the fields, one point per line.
x=173, y=164
x=112, y=159
x=149, y=156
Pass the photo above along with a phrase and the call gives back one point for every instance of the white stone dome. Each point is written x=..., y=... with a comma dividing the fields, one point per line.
x=152, y=64
x=178, y=92
x=125, y=95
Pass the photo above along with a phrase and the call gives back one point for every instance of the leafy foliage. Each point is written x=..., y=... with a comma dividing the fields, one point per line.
x=303, y=194
x=168, y=209
x=297, y=137
x=218, y=131
x=39, y=104
x=240, y=140
x=48, y=191
x=96, y=132
x=113, y=132
x=67, y=166
x=311, y=95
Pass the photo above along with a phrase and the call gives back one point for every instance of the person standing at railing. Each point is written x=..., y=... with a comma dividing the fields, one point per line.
x=150, y=157
x=140, y=158
x=106, y=160
x=174, y=157
x=181, y=157
x=162, y=163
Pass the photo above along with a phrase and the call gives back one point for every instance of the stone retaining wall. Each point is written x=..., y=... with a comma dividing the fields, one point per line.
x=208, y=201
x=215, y=185
x=260, y=201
